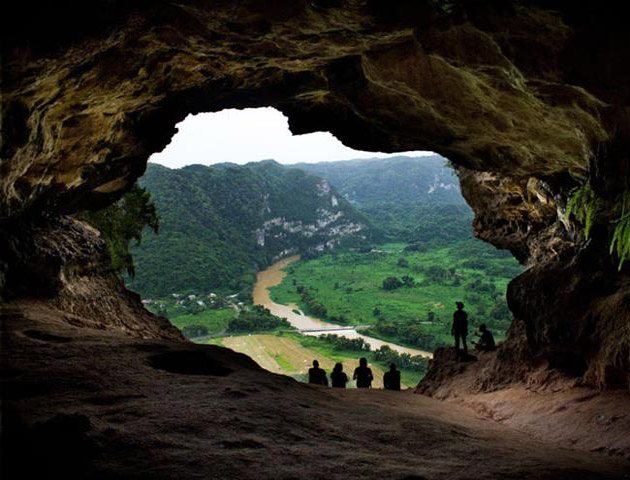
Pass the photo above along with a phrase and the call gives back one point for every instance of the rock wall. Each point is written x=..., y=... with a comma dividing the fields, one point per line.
x=490, y=86
x=527, y=99
x=63, y=263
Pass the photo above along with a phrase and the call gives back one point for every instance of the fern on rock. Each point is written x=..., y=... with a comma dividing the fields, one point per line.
x=620, y=242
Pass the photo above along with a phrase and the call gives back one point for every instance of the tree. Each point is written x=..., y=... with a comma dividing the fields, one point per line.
x=500, y=311
x=392, y=283
x=403, y=262
x=256, y=319
x=436, y=273
x=122, y=222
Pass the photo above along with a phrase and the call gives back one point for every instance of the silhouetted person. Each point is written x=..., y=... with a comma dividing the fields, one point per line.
x=391, y=379
x=338, y=378
x=363, y=374
x=486, y=340
x=459, y=330
x=317, y=375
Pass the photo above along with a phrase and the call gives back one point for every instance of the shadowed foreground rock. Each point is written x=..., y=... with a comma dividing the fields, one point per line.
x=97, y=404
x=546, y=404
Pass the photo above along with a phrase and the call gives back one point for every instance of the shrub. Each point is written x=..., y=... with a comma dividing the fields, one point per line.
x=408, y=281
x=415, y=247
x=392, y=283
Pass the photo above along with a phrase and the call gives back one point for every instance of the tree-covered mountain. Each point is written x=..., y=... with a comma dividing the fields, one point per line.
x=219, y=224
x=413, y=199
x=400, y=180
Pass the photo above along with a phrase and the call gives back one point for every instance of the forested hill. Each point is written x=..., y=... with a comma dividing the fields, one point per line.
x=219, y=224
x=413, y=199
x=400, y=180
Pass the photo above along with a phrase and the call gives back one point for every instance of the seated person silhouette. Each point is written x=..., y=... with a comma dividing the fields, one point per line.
x=391, y=379
x=459, y=330
x=317, y=375
x=363, y=374
x=486, y=340
x=338, y=378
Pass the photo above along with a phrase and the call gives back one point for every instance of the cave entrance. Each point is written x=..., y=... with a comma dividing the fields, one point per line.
x=362, y=253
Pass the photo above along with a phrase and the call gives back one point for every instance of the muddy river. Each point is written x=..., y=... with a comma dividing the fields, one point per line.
x=306, y=324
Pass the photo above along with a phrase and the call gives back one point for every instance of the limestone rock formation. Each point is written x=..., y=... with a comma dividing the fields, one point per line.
x=528, y=99
x=62, y=263
x=491, y=87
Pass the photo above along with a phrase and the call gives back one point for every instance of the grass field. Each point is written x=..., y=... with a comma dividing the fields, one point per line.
x=350, y=285
x=292, y=354
x=215, y=320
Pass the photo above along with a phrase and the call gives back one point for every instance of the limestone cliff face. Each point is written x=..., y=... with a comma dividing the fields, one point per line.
x=527, y=99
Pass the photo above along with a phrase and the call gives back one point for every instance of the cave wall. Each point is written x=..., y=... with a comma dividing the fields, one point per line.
x=62, y=263
x=527, y=99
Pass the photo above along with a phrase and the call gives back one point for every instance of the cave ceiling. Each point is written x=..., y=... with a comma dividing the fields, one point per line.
x=497, y=87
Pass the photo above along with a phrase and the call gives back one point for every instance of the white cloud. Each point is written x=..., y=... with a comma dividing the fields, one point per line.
x=241, y=136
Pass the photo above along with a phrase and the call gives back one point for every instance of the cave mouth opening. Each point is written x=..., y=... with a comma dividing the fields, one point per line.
x=503, y=92
x=237, y=194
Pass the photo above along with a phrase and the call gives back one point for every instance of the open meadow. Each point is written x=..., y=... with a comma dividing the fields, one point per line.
x=292, y=354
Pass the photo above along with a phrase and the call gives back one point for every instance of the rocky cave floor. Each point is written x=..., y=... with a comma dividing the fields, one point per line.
x=99, y=404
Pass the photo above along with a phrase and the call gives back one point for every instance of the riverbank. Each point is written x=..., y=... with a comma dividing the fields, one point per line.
x=309, y=325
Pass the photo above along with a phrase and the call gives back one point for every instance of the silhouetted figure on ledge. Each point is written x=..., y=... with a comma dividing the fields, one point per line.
x=338, y=378
x=391, y=379
x=317, y=375
x=486, y=340
x=363, y=374
x=459, y=330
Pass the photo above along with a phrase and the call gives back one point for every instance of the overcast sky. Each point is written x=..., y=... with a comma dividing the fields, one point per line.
x=241, y=136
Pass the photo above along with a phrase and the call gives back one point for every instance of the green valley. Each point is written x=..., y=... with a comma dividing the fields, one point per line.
x=220, y=224
x=384, y=244
x=351, y=287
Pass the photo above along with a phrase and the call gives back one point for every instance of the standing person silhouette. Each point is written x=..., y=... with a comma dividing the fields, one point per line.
x=317, y=375
x=337, y=377
x=391, y=379
x=363, y=374
x=459, y=330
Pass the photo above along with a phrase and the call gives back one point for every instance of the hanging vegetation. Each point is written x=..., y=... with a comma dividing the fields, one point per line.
x=620, y=242
x=583, y=204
